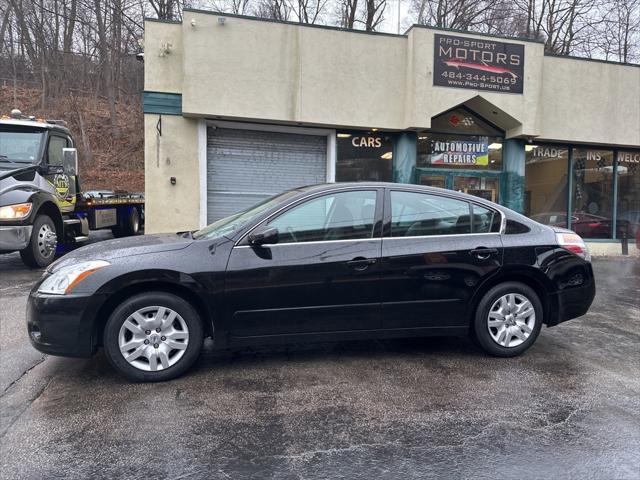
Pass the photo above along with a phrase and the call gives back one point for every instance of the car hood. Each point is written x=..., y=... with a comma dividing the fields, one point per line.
x=124, y=247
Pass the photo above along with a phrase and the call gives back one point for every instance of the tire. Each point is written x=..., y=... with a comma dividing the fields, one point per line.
x=153, y=349
x=128, y=226
x=509, y=335
x=41, y=250
x=117, y=231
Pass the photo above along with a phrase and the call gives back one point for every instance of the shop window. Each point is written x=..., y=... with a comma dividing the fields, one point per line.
x=364, y=156
x=469, y=152
x=592, y=196
x=546, y=183
x=482, y=187
x=628, y=208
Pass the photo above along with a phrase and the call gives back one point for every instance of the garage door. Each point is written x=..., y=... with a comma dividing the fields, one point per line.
x=247, y=166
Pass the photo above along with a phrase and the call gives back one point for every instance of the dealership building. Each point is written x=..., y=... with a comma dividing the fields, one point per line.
x=238, y=109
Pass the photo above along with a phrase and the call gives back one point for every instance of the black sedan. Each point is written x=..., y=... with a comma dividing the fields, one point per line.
x=325, y=262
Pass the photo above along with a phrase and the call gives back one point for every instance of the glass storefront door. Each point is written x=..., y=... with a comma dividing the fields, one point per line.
x=461, y=152
x=439, y=181
x=484, y=185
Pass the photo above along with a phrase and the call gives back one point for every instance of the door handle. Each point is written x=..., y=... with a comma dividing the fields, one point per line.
x=483, y=253
x=360, y=264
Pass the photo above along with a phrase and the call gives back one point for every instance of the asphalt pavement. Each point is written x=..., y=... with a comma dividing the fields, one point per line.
x=420, y=408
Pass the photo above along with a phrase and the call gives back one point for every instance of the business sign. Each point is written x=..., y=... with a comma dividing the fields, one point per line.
x=461, y=62
x=628, y=157
x=459, y=152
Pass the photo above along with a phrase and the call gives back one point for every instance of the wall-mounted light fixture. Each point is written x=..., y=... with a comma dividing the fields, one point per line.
x=221, y=20
x=165, y=49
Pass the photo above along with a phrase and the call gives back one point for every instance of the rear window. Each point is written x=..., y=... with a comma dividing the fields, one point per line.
x=514, y=228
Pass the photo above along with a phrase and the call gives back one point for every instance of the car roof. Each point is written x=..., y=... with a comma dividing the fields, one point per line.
x=325, y=187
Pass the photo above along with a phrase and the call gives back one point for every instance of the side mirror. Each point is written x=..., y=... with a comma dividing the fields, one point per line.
x=264, y=236
x=70, y=161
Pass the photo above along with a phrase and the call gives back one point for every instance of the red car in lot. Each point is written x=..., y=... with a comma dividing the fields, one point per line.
x=585, y=224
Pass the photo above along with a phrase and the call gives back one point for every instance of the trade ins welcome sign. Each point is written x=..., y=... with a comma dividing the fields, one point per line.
x=461, y=62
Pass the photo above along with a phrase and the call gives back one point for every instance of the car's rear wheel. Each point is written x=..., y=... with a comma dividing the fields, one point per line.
x=508, y=319
x=153, y=337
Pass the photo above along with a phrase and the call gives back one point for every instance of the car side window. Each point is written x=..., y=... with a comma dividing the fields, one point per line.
x=54, y=152
x=485, y=220
x=338, y=216
x=419, y=214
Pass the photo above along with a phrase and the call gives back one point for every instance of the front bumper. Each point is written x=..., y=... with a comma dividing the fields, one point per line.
x=62, y=324
x=14, y=237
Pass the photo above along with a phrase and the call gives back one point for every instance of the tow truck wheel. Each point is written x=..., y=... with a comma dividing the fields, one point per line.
x=128, y=226
x=42, y=246
x=132, y=226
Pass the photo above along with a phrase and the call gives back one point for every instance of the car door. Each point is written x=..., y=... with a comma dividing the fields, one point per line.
x=321, y=276
x=436, y=251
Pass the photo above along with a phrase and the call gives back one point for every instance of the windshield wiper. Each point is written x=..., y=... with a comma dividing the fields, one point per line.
x=4, y=158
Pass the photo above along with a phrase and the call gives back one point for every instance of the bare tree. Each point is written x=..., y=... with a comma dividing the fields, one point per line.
x=455, y=14
x=308, y=11
x=347, y=13
x=5, y=11
x=275, y=9
x=374, y=14
x=621, y=31
x=166, y=9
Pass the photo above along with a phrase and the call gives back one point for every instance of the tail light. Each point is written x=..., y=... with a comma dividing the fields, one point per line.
x=574, y=244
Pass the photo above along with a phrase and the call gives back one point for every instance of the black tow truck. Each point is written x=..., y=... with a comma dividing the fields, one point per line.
x=42, y=208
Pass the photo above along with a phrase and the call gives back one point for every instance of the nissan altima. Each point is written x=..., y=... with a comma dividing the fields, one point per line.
x=319, y=263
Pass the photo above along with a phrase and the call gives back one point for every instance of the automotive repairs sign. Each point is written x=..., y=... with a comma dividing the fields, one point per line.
x=477, y=64
x=455, y=152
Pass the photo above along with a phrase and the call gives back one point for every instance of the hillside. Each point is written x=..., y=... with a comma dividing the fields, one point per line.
x=109, y=163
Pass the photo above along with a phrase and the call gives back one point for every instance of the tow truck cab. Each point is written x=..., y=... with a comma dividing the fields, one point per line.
x=42, y=208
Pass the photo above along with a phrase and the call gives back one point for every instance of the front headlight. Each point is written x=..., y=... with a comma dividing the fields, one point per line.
x=15, y=212
x=65, y=279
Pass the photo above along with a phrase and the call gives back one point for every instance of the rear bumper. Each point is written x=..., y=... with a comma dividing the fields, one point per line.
x=14, y=237
x=572, y=301
x=61, y=324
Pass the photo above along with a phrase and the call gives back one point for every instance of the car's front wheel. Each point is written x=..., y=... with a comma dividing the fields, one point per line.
x=153, y=337
x=508, y=319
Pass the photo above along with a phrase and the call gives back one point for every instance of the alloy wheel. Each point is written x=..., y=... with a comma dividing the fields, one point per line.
x=153, y=338
x=511, y=320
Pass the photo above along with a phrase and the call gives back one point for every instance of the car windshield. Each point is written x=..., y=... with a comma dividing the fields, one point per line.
x=229, y=224
x=20, y=146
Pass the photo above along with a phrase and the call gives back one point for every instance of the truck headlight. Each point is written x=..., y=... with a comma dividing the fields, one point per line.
x=15, y=212
x=65, y=279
